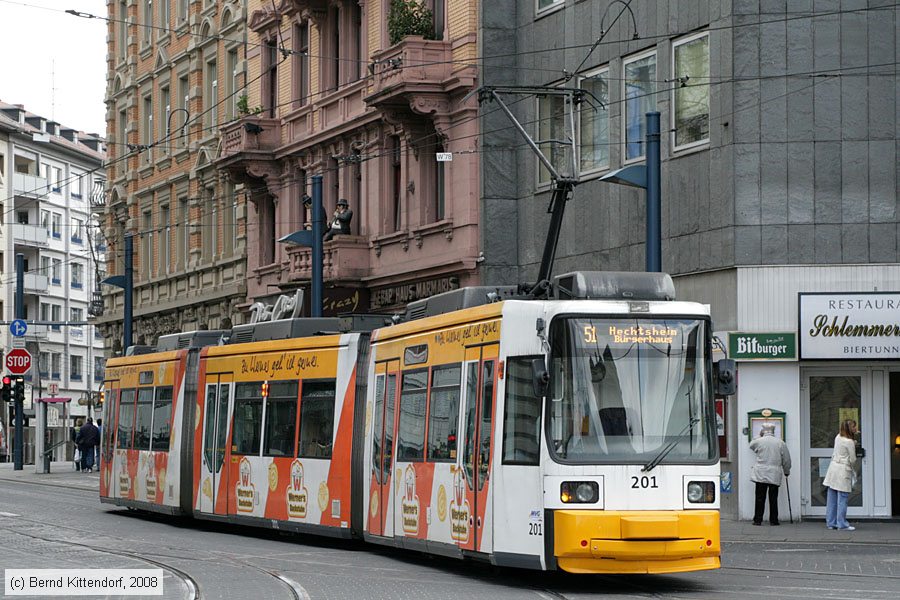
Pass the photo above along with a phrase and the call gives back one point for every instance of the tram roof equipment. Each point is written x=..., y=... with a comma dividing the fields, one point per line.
x=614, y=285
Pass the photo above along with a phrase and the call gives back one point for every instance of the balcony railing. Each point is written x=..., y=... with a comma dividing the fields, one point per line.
x=252, y=134
x=36, y=283
x=30, y=186
x=37, y=332
x=346, y=257
x=415, y=62
x=29, y=235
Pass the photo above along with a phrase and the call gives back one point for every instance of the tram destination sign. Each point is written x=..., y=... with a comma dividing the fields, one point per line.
x=852, y=325
x=762, y=346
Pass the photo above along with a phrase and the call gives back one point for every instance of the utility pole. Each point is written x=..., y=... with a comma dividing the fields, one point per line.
x=19, y=448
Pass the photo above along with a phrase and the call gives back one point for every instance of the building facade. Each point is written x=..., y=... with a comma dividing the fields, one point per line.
x=50, y=175
x=176, y=74
x=780, y=198
x=384, y=117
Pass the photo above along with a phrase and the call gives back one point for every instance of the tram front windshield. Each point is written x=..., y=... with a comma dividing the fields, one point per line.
x=628, y=390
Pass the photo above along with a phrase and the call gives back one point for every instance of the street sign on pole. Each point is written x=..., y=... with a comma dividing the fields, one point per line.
x=18, y=327
x=18, y=361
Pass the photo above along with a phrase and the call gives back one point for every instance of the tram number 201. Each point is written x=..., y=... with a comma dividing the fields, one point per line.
x=535, y=529
x=645, y=482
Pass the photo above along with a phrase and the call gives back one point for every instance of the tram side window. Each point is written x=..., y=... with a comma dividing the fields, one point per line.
x=248, y=402
x=317, y=419
x=143, y=419
x=126, y=419
x=411, y=437
x=521, y=415
x=443, y=413
x=162, y=419
x=281, y=419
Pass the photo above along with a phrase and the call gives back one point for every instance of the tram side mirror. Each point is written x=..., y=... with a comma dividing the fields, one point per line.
x=539, y=377
x=725, y=380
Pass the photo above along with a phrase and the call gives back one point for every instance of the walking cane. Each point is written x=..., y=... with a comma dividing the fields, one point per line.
x=790, y=510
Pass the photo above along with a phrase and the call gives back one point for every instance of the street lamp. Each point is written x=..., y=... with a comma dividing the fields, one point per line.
x=647, y=176
x=312, y=239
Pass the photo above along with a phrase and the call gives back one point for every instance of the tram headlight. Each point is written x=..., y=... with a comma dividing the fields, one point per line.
x=579, y=492
x=701, y=492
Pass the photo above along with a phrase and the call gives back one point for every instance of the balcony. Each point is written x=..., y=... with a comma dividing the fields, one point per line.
x=29, y=186
x=29, y=235
x=36, y=284
x=251, y=135
x=345, y=258
x=36, y=332
x=412, y=63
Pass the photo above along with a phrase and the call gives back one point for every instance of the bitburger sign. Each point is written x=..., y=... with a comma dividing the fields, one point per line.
x=860, y=326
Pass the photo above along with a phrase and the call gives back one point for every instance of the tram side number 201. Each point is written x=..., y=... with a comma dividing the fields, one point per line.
x=645, y=482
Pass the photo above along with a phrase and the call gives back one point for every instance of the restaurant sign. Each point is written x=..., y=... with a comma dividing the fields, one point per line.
x=762, y=346
x=861, y=326
x=396, y=295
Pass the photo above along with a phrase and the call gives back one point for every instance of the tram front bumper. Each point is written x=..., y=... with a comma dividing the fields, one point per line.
x=592, y=541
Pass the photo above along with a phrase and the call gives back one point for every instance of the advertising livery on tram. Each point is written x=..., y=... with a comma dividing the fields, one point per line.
x=573, y=433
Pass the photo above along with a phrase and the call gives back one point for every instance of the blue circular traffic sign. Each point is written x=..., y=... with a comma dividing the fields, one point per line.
x=18, y=327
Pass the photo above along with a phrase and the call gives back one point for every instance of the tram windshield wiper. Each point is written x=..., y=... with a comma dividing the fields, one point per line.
x=670, y=446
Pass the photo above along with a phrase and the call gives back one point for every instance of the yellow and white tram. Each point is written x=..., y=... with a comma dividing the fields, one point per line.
x=574, y=433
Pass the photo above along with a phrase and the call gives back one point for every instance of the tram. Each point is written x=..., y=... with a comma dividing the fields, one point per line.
x=575, y=432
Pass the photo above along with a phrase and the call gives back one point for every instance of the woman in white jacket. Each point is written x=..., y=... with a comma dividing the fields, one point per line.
x=839, y=477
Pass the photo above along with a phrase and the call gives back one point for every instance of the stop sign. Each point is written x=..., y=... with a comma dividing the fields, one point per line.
x=18, y=361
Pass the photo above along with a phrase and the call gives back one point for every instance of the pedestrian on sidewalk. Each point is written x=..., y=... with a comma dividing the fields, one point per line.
x=76, y=456
x=88, y=438
x=772, y=461
x=839, y=477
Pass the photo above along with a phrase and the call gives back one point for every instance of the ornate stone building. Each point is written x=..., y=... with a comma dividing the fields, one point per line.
x=176, y=75
x=335, y=93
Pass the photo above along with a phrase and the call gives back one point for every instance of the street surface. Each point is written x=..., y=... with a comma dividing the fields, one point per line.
x=57, y=521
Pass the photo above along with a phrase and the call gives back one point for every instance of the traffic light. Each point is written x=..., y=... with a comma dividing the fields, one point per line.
x=5, y=392
x=102, y=397
x=19, y=391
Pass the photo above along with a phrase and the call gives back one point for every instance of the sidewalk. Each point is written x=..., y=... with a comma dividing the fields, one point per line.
x=62, y=474
x=871, y=532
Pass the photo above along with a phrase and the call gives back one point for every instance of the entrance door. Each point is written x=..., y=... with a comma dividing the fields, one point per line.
x=214, y=479
x=480, y=398
x=386, y=376
x=831, y=397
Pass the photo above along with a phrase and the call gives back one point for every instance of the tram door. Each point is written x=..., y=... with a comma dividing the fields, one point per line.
x=214, y=479
x=380, y=509
x=108, y=441
x=480, y=395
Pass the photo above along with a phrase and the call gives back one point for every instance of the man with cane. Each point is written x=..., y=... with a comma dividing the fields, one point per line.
x=772, y=461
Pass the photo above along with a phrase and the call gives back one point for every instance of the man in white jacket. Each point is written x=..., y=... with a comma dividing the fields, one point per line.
x=772, y=461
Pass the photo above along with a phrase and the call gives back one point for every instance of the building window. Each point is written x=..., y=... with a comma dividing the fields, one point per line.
x=301, y=62
x=45, y=220
x=122, y=41
x=438, y=10
x=182, y=10
x=45, y=265
x=75, y=367
x=99, y=367
x=55, y=272
x=691, y=94
x=77, y=315
x=56, y=225
x=229, y=218
x=184, y=97
x=147, y=30
x=147, y=246
x=77, y=276
x=164, y=16
x=266, y=230
x=396, y=181
x=331, y=69
x=44, y=364
x=76, y=188
x=77, y=231
x=544, y=5
x=147, y=128
x=551, y=126
x=593, y=127
x=231, y=78
x=440, y=182
x=640, y=98
x=56, y=317
x=44, y=311
x=165, y=109
x=183, y=244
x=164, y=240
x=121, y=136
x=55, y=365
x=270, y=78
x=211, y=101
x=353, y=45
